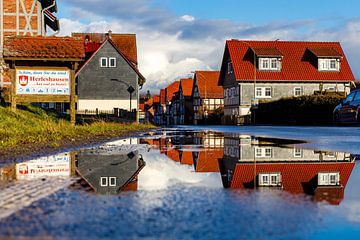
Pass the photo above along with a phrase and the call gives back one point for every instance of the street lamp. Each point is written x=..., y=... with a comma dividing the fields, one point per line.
x=130, y=90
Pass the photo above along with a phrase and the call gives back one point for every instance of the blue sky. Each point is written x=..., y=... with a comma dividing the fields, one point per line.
x=176, y=37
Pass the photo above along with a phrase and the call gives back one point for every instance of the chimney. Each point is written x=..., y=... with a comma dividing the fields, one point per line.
x=109, y=34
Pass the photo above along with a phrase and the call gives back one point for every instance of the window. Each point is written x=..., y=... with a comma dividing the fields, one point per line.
x=103, y=181
x=263, y=92
x=272, y=64
x=297, y=91
x=269, y=179
x=112, y=181
x=108, y=181
x=263, y=152
x=112, y=62
x=329, y=179
x=230, y=68
x=103, y=62
x=329, y=64
x=298, y=153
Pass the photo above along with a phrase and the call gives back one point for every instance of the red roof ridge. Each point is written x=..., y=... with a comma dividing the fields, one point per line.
x=281, y=41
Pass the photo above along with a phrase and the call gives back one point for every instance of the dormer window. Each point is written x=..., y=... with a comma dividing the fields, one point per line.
x=269, y=179
x=328, y=58
x=328, y=64
x=269, y=64
x=328, y=179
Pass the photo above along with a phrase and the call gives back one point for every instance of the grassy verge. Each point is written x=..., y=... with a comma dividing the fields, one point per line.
x=32, y=125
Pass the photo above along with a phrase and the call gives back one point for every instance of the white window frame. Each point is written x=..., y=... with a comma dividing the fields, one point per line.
x=298, y=153
x=110, y=65
x=106, y=181
x=263, y=152
x=266, y=64
x=260, y=92
x=106, y=61
x=112, y=184
x=325, y=64
x=325, y=178
x=298, y=91
x=269, y=179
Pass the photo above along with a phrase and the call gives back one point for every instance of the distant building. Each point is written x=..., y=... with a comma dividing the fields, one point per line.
x=270, y=70
x=170, y=110
x=110, y=77
x=207, y=95
x=182, y=109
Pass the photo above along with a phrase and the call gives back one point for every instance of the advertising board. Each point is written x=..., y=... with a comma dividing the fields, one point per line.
x=52, y=166
x=42, y=81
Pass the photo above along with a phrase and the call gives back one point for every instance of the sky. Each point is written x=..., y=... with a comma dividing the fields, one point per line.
x=177, y=37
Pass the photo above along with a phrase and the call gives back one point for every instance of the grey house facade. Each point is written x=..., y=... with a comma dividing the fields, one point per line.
x=254, y=71
x=108, y=80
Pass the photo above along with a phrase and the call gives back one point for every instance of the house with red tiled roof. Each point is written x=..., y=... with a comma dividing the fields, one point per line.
x=160, y=108
x=182, y=109
x=250, y=163
x=207, y=96
x=253, y=71
x=207, y=160
x=110, y=78
x=170, y=92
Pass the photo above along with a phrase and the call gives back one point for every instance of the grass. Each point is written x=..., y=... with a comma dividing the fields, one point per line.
x=33, y=125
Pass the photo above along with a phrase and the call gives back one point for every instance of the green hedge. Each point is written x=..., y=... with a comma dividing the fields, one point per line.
x=314, y=109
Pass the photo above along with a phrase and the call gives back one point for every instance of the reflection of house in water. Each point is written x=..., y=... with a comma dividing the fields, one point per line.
x=109, y=173
x=249, y=163
x=207, y=160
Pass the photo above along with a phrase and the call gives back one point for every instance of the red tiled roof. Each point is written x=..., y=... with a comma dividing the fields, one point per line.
x=133, y=66
x=187, y=158
x=162, y=96
x=208, y=84
x=267, y=52
x=171, y=89
x=124, y=42
x=187, y=85
x=293, y=175
x=173, y=154
x=149, y=102
x=297, y=63
x=208, y=160
x=156, y=99
x=325, y=52
x=44, y=47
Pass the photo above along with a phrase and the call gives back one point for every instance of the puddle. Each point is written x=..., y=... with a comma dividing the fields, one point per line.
x=169, y=178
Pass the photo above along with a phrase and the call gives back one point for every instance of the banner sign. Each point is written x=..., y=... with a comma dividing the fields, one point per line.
x=57, y=166
x=42, y=82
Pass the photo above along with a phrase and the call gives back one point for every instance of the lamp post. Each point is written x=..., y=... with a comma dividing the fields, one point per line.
x=130, y=90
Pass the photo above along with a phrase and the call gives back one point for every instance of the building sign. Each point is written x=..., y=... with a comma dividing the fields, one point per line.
x=42, y=82
x=52, y=166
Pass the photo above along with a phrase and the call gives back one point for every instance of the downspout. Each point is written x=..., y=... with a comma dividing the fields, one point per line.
x=43, y=21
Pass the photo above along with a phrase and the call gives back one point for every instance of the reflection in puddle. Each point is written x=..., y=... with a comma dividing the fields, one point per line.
x=247, y=162
x=109, y=173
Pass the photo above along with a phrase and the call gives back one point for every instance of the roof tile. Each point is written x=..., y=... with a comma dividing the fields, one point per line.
x=44, y=47
x=296, y=64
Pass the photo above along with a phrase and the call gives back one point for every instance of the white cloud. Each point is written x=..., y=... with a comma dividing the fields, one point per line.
x=172, y=46
x=188, y=18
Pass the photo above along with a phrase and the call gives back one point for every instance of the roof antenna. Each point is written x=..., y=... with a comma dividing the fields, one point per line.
x=277, y=39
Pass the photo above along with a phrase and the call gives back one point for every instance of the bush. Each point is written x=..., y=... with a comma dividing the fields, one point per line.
x=314, y=109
